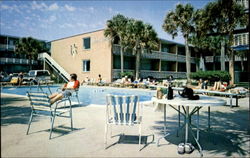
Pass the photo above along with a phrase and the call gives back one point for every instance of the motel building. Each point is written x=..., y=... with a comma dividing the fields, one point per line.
x=90, y=54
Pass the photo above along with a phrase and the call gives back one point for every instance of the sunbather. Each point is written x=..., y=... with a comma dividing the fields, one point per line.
x=73, y=84
x=86, y=80
x=218, y=86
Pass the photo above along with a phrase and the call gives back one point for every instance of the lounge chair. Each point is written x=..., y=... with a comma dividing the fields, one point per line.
x=124, y=111
x=40, y=105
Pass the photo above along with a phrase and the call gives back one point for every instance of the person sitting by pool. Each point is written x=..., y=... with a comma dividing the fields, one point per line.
x=99, y=78
x=73, y=84
x=86, y=80
x=125, y=80
x=20, y=78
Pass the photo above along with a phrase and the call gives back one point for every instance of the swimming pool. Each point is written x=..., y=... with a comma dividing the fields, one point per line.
x=88, y=94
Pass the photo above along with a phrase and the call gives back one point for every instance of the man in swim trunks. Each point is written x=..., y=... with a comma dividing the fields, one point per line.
x=66, y=91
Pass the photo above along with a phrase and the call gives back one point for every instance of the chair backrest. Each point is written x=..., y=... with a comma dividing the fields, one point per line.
x=39, y=101
x=123, y=109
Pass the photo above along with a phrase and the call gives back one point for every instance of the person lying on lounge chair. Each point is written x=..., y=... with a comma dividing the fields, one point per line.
x=218, y=86
x=73, y=84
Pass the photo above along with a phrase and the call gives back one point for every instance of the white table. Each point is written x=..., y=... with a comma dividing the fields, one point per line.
x=231, y=95
x=190, y=107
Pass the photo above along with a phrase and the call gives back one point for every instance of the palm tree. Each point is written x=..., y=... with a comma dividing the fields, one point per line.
x=222, y=17
x=116, y=28
x=181, y=19
x=141, y=38
x=30, y=48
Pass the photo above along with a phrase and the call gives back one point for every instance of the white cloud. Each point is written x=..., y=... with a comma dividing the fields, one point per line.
x=91, y=9
x=66, y=25
x=2, y=24
x=52, y=18
x=43, y=7
x=69, y=8
x=38, y=6
x=53, y=6
x=81, y=24
x=4, y=7
x=27, y=18
x=10, y=8
x=44, y=26
x=110, y=10
x=23, y=25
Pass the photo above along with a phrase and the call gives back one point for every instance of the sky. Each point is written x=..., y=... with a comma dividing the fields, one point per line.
x=50, y=20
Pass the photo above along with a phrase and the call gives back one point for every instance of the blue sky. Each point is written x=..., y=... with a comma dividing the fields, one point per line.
x=50, y=20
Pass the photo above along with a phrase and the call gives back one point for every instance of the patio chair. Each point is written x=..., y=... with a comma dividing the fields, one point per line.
x=40, y=105
x=123, y=111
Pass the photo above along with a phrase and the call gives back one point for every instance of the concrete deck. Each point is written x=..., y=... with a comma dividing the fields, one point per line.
x=230, y=134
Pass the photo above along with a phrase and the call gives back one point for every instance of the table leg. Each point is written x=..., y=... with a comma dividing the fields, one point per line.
x=208, y=118
x=187, y=124
x=236, y=100
x=165, y=126
x=198, y=122
x=179, y=123
x=231, y=101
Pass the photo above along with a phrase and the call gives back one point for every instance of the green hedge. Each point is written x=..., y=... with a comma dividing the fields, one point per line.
x=211, y=76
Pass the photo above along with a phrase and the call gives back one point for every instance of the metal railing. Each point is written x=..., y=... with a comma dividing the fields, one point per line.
x=53, y=64
x=155, y=55
x=210, y=59
x=155, y=74
x=7, y=47
x=17, y=61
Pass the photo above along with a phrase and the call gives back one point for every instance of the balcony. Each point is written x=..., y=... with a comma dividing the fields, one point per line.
x=156, y=55
x=17, y=61
x=8, y=47
x=211, y=59
x=155, y=74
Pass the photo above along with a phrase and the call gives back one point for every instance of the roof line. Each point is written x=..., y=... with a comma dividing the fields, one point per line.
x=76, y=35
x=19, y=37
x=172, y=42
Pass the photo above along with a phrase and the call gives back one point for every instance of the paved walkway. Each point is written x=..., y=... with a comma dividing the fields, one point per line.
x=230, y=136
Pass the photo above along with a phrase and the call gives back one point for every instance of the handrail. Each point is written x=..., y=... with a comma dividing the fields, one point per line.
x=60, y=70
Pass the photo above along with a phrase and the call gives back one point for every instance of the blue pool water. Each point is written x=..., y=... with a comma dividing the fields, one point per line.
x=88, y=94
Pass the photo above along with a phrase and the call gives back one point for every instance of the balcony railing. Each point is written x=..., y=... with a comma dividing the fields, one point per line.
x=156, y=55
x=17, y=61
x=7, y=47
x=155, y=74
x=211, y=59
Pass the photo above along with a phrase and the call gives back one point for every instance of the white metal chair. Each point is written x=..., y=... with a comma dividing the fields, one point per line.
x=40, y=105
x=123, y=110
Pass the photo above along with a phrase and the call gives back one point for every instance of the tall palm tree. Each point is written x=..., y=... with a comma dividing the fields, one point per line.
x=141, y=38
x=181, y=19
x=116, y=28
x=222, y=17
x=30, y=48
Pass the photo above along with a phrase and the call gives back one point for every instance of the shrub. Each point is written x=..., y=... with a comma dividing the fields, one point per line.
x=212, y=76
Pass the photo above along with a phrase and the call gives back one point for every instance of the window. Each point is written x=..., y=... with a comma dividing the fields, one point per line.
x=164, y=48
x=86, y=43
x=86, y=65
x=240, y=39
x=244, y=39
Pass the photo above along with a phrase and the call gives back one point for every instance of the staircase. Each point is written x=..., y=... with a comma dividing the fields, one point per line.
x=53, y=64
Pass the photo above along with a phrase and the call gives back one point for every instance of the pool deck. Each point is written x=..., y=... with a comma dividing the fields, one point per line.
x=230, y=134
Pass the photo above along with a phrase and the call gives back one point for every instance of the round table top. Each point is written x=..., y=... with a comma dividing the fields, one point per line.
x=203, y=101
